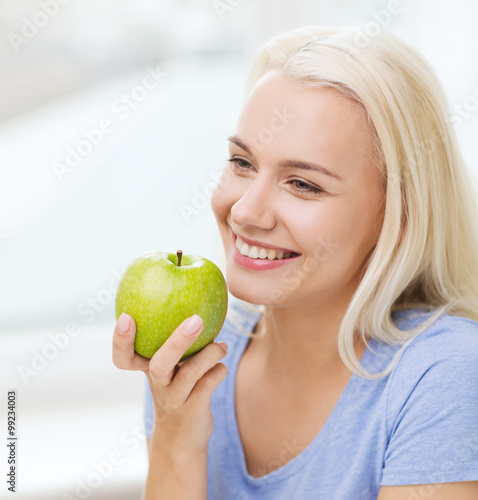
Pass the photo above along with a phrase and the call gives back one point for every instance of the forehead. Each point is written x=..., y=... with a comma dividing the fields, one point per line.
x=319, y=125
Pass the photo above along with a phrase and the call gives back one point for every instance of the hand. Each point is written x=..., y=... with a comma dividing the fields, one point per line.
x=181, y=390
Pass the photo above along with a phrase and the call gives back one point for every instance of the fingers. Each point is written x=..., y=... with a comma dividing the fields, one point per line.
x=192, y=370
x=124, y=356
x=163, y=363
x=200, y=398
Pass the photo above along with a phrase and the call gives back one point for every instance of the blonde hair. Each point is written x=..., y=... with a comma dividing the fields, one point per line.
x=427, y=253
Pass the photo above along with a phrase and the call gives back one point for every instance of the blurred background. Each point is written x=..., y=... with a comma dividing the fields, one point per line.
x=113, y=124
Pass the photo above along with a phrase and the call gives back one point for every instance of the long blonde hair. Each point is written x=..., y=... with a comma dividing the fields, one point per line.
x=427, y=253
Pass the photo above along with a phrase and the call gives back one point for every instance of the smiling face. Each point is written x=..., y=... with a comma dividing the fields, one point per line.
x=332, y=221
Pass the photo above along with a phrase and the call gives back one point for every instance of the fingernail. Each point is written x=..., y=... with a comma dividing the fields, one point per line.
x=123, y=324
x=223, y=345
x=192, y=324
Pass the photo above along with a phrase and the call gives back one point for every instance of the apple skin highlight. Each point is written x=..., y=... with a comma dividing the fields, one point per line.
x=160, y=295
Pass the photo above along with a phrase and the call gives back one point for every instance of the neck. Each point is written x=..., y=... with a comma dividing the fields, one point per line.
x=299, y=345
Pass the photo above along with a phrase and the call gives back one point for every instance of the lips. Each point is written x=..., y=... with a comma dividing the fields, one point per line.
x=258, y=264
x=266, y=245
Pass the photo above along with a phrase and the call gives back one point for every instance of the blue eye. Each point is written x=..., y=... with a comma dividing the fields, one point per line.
x=305, y=189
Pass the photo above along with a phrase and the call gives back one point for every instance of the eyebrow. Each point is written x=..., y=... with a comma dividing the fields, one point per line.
x=304, y=165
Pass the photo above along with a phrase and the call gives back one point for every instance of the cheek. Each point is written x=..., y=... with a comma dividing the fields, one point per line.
x=330, y=231
x=355, y=229
x=229, y=191
x=222, y=197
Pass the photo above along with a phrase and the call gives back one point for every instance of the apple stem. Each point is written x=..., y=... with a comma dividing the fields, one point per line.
x=179, y=254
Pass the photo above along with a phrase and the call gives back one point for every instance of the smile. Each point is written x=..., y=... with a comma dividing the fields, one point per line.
x=257, y=252
x=259, y=258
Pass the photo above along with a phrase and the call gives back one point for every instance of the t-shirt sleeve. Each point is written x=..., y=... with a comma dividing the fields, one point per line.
x=432, y=409
x=148, y=410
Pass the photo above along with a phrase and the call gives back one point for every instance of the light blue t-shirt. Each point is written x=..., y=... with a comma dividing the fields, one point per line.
x=417, y=425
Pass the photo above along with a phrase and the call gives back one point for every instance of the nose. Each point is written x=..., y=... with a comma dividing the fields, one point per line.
x=256, y=206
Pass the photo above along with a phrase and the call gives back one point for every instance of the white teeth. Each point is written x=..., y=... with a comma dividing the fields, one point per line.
x=255, y=252
x=263, y=253
x=244, y=249
x=238, y=244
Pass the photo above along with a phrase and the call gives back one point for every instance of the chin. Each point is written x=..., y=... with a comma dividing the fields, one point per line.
x=251, y=288
x=243, y=290
x=244, y=293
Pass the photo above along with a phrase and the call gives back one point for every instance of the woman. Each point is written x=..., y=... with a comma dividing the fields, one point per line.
x=348, y=220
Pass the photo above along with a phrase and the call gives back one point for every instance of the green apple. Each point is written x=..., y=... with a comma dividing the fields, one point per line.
x=160, y=290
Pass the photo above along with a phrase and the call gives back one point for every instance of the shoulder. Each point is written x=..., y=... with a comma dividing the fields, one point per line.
x=432, y=404
x=449, y=341
x=438, y=364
